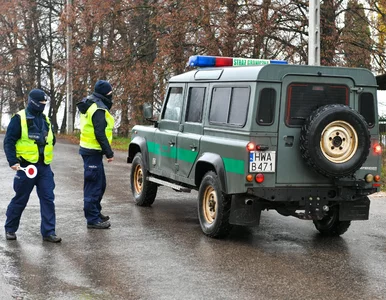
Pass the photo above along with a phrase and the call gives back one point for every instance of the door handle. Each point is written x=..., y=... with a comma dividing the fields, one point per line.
x=193, y=147
x=171, y=143
x=289, y=140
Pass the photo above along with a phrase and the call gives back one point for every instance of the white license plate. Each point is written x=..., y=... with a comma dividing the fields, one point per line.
x=262, y=161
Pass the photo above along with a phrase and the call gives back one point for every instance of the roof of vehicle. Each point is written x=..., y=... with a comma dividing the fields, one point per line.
x=273, y=72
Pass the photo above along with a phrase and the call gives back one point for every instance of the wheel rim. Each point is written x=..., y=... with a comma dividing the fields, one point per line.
x=138, y=179
x=210, y=204
x=339, y=141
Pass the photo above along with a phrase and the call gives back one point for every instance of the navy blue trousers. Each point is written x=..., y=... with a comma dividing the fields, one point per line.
x=94, y=187
x=23, y=186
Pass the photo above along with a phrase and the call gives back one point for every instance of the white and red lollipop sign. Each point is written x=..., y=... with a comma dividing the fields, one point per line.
x=30, y=171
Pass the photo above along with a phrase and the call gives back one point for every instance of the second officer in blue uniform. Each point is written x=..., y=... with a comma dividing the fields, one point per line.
x=30, y=140
x=96, y=134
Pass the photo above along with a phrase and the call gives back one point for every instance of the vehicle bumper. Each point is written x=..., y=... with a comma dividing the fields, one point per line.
x=340, y=193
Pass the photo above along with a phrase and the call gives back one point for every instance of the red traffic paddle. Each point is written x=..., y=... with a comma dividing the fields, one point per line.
x=30, y=171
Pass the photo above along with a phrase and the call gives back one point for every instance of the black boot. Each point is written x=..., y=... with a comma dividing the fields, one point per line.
x=10, y=236
x=104, y=218
x=100, y=225
x=52, y=239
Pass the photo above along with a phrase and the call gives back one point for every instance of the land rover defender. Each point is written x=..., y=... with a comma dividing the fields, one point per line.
x=253, y=135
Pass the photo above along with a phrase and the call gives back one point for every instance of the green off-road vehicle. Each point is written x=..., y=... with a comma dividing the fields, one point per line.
x=254, y=135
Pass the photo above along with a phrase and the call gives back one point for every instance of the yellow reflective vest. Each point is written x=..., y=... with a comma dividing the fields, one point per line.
x=87, y=133
x=27, y=149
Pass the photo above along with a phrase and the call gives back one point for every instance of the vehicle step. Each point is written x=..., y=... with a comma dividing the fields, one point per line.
x=169, y=184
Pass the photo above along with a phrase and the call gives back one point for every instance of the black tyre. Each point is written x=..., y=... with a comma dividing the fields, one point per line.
x=144, y=191
x=213, y=207
x=330, y=225
x=335, y=140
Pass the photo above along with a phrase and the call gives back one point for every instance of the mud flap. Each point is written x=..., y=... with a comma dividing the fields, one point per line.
x=354, y=210
x=245, y=211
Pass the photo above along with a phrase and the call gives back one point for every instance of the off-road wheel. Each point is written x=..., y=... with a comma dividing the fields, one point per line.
x=330, y=224
x=144, y=191
x=213, y=207
x=335, y=140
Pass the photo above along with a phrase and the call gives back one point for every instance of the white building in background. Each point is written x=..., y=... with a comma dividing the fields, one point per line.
x=382, y=103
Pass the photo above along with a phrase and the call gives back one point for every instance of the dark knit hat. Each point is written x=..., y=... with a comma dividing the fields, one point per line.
x=34, y=98
x=103, y=87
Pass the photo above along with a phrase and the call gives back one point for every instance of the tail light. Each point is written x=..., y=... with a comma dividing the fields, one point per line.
x=251, y=146
x=377, y=148
x=259, y=178
x=249, y=178
x=369, y=178
x=377, y=178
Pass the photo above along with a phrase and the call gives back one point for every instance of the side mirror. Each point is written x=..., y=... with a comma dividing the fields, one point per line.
x=147, y=111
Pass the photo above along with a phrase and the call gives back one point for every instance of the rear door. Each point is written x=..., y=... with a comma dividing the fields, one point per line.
x=300, y=97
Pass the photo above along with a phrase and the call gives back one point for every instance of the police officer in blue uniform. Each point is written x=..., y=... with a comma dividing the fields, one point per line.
x=96, y=127
x=30, y=140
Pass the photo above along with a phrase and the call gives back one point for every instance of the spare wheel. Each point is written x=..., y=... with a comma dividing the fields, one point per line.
x=335, y=140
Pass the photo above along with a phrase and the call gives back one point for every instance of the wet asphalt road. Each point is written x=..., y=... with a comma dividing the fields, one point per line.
x=161, y=253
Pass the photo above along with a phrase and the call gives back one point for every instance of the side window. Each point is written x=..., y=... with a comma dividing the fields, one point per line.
x=366, y=108
x=220, y=105
x=173, y=107
x=195, y=104
x=229, y=106
x=266, y=109
x=239, y=106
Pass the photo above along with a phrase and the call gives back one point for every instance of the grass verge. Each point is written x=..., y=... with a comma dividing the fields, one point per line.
x=119, y=143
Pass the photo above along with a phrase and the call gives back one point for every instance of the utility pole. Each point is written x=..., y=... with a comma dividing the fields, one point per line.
x=69, y=102
x=314, y=33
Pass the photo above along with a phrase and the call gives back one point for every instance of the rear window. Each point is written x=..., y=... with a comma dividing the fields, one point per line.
x=304, y=98
x=367, y=108
x=266, y=108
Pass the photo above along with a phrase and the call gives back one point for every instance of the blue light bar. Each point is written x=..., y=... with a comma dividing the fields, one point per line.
x=279, y=62
x=219, y=61
x=202, y=61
